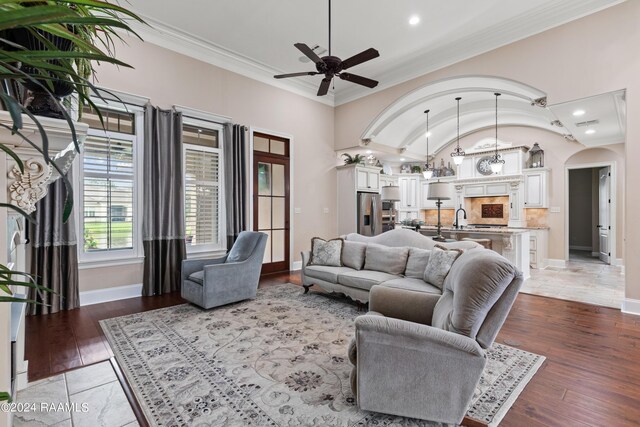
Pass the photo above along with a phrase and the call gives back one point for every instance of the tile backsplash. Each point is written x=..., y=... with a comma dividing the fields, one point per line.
x=536, y=217
x=430, y=216
x=473, y=205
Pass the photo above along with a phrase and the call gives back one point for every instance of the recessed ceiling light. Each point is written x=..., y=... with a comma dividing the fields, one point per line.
x=590, y=131
x=402, y=159
x=428, y=134
x=414, y=20
x=578, y=113
x=369, y=151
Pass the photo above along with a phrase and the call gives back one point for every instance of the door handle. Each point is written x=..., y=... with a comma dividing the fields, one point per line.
x=599, y=226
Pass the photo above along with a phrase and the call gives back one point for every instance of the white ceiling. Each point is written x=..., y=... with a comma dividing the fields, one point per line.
x=256, y=37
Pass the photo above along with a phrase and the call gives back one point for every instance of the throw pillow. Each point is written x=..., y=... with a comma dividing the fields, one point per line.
x=417, y=263
x=353, y=254
x=386, y=259
x=440, y=261
x=326, y=252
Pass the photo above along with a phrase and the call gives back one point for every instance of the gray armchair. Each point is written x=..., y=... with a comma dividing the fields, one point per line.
x=420, y=355
x=234, y=277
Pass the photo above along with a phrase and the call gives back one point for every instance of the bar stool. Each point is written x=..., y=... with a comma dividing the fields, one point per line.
x=484, y=242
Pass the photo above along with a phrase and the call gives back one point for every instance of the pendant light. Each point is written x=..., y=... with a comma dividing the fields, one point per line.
x=458, y=154
x=496, y=162
x=428, y=171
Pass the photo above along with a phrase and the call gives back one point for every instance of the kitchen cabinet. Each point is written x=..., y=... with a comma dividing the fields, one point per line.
x=486, y=190
x=514, y=163
x=409, y=192
x=515, y=206
x=536, y=188
x=368, y=179
x=538, y=247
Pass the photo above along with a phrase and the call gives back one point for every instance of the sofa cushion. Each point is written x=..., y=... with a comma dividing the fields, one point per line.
x=325, y=272
x=411, y=284
x=364, y=279
x=326, y=252
x=440, y=262
x=197, y=277
x=353, y=254
x=386, y=259
x=243, y=246
x=417, y=263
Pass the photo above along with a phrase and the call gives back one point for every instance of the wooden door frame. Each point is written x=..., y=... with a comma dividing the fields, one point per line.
x=293, y=265
x=613, y=260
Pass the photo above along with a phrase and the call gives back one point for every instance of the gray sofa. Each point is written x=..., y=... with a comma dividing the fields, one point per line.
x=234, y=277
x=421, y=355
x=360, y=273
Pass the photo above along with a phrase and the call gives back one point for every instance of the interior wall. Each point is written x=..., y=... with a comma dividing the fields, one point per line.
x=169, y=78
x=589, y=56
x=580, y=209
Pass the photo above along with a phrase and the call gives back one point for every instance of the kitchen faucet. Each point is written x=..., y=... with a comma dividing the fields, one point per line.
x=456, y=224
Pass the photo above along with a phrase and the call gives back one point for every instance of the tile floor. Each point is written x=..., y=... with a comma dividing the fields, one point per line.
x=584, y=280
x=93, y=397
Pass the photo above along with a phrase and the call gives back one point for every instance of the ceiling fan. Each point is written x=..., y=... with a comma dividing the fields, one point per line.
x=332, y=66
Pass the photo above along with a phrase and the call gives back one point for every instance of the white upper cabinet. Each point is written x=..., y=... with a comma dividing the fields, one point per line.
x=409, y=192
x=474, y=164
x=387, y=180
x=536, y=188
x=367, y=179
x=513, y=162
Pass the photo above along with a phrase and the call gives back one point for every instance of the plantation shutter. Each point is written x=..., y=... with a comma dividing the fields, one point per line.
x=108, y=193
x=201, y=196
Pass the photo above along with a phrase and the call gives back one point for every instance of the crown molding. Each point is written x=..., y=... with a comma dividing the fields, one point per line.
x=185, y=43
x=549, y=15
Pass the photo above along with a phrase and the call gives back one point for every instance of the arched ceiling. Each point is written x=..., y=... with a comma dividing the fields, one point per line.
x=401, y=128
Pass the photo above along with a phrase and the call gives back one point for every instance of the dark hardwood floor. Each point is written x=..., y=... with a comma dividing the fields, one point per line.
x=591, y=376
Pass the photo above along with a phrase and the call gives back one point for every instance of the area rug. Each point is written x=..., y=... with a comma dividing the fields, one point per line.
x=277, y=360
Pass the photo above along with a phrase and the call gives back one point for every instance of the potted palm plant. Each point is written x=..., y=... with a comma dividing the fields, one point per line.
x=49, y=47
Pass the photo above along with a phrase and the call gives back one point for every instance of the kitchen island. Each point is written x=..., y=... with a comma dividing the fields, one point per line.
x=511, y=243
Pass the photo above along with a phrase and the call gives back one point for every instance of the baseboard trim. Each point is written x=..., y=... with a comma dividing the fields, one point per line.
x=619, y=262
x=110, y=294
x=556, y=263
x=595, y=254
x=581, y=248
x=631, y=306
x=297, y=265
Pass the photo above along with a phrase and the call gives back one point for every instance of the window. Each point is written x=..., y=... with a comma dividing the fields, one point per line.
x=203, y=191
x=108, y=187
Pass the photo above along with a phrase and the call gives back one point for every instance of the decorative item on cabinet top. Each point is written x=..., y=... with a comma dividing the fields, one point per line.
x=536, y=157
x=356, y=159
x=438, y=172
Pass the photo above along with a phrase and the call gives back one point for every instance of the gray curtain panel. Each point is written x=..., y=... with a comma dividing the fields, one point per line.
x=163, y=208
x=54, y=254
x=235, y=156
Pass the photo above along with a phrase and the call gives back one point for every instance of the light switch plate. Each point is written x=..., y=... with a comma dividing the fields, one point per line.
x=297, y=210
x=554, y=210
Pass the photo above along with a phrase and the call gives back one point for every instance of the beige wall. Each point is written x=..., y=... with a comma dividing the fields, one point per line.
x=592, y=55
x=170, y=79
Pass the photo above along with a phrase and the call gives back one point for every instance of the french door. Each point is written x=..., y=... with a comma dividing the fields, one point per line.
x=271, y=204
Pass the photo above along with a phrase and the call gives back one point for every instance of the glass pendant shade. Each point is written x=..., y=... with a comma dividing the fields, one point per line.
x=496, y=167
x=457, y=158
x=427, y=173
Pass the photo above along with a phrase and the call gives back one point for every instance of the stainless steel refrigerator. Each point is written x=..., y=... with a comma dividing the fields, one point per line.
x=369, y=214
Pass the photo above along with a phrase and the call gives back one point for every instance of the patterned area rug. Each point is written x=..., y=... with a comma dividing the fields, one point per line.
x=278, y=360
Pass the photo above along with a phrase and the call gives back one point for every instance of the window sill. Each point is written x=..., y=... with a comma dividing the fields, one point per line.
x=87, y=265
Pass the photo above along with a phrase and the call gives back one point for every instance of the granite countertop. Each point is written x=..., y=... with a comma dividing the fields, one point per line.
x=495, y=230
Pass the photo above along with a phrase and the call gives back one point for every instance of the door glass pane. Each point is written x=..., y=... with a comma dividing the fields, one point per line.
x=277, y=147
x=267, y=250
x=278, y=179
x=264, y=179
x=278, y=212
x=264, y=213
x=260, y=144
x=277, y=251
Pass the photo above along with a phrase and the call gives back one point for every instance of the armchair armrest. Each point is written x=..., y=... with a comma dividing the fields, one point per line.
x=403, y=304
x=306, y=256
x=190, y=266
x=413, y=370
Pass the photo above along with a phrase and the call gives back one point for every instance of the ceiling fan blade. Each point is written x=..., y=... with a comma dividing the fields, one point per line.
x=324, y=86
x=358, y=80
x=359, y=58
x=309, y=53
x=304, y=73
